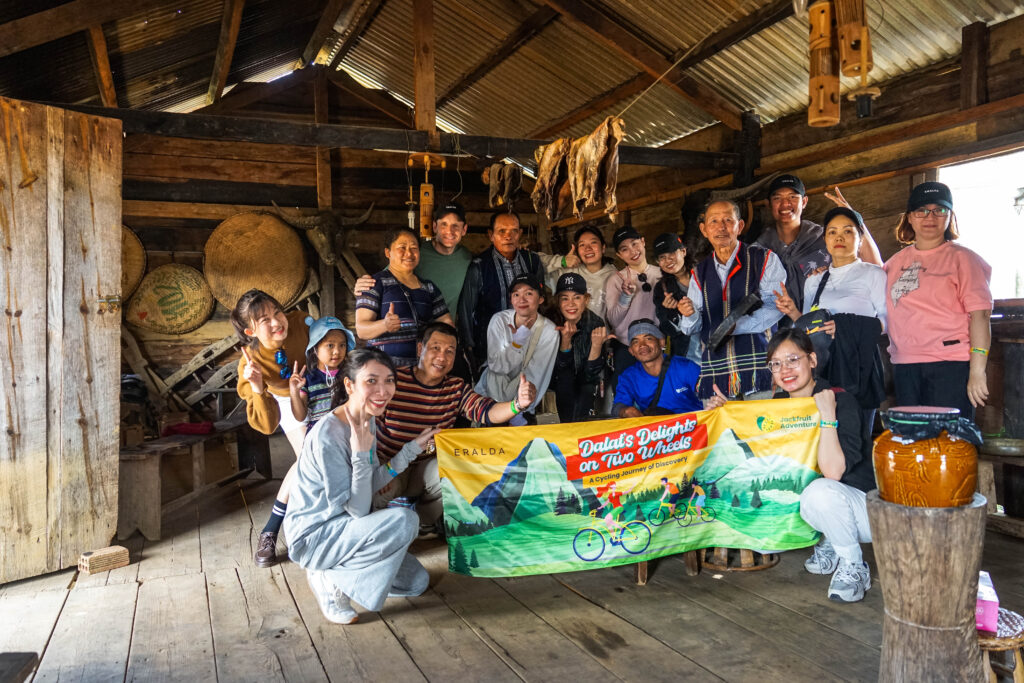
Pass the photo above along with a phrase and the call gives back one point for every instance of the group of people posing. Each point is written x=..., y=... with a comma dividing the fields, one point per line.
x=451, y=337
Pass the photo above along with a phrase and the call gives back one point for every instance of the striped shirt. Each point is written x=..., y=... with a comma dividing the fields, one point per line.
x=414, y=307
x=318, y=395
x=416, y=406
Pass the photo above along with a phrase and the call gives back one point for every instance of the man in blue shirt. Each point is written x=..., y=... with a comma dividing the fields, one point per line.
x=637, y=392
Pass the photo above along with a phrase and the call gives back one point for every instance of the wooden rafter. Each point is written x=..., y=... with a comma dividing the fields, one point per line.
x=637, y=51
x=63, y=20
x=229, y=25
x=523, y=33
x=359, y=25
x=245, y=94
x=425, y=115
x=378, y=99
x=324, y=28
x=101, y=65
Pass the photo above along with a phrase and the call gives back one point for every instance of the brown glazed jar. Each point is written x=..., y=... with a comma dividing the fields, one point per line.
x=926, y=457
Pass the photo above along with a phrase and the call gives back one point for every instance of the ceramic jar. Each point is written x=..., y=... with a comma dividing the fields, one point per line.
x=936, y=471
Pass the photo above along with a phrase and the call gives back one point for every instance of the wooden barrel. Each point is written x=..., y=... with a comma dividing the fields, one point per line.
x=254, y=250
x=928, y=561
x=172, y=299
x=854, y=38
x=133, y=261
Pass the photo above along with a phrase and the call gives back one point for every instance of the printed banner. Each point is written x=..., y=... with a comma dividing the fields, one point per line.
x=565, y=497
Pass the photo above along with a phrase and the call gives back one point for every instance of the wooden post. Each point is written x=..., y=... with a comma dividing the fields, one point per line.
x=324, y=198
x=101, y=65
x=928, y=561
x=230, y=23
x=423, y=64
x=747, y=142
x=974, y=65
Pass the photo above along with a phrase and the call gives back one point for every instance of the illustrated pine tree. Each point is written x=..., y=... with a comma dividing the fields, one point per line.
x=473, y=562
x=713, y=492
x=561, y=503
x=639, y=515
x=755, y=499
x=735, y=500
x=457, y=560
x=576, y=505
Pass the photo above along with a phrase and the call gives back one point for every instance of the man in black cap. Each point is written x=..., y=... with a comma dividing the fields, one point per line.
x=800, y=243
x=488, y=282
x=629, y=293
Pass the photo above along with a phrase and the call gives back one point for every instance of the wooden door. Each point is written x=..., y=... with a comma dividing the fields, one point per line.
x=60, y=256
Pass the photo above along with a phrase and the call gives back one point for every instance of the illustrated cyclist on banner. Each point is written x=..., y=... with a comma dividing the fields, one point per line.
x=672, y=493
x=698, y=505
x=611, y=519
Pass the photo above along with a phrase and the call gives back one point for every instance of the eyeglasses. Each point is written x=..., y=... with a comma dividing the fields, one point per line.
x=645, y=285
x=940, y=212
x=788, y=363
x=282, y=359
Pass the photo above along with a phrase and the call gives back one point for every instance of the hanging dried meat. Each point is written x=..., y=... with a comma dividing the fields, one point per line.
x=551, y=174
x=586, y=169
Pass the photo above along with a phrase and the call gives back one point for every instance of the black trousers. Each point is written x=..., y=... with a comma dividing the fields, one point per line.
x=941, y=383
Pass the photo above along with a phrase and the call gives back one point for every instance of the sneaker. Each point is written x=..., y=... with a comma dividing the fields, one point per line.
x=333, y=603
x=266, y=550
x=427, y=531
x=849, y=582
x=823, y=559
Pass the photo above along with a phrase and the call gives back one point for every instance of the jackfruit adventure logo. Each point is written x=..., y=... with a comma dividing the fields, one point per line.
x=565, y=497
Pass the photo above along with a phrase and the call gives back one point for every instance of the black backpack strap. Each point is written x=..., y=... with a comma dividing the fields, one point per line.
x=665, y=361
x=821, y=288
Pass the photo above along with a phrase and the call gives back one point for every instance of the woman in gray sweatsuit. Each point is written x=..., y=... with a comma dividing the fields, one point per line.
x=347, y=551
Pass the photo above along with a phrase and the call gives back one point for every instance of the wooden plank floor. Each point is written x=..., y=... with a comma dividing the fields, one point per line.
x=192, y=607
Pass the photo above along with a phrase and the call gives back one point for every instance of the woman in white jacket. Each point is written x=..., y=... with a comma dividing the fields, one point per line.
x=520, y=342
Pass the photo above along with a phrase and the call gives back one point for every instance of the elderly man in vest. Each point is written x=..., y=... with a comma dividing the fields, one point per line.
x=721, y=281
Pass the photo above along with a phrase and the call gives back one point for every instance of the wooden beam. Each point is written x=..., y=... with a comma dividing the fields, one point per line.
x=522, y=34
x=229, y=25
x=101, y=66
x=378, y=99
x=423, y=64
x=370, y=10
x=241, y=129
x=63, y=20
x=634, y=49
x=974, y=65
x=836, y=149
x=734, y=33
x=324, y=196
x=244, y=94
x=324, y=28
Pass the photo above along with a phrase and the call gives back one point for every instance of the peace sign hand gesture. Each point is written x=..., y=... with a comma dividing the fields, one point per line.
x=298, y=379
x=252, y=373
x=784, y=302
x=628, y=283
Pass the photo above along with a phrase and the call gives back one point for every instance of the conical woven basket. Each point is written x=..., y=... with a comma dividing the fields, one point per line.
x=133, y=261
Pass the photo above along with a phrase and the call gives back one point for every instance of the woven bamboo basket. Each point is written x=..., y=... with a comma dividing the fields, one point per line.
x=254, y=250
x=133, y=261
x=172, y=299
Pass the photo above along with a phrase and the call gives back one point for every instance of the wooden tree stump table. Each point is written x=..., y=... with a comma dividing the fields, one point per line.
x=928, y=561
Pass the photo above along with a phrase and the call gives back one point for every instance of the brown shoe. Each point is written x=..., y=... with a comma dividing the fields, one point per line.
x=266, y=551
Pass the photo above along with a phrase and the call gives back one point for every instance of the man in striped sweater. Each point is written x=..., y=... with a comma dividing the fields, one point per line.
x=426, y=395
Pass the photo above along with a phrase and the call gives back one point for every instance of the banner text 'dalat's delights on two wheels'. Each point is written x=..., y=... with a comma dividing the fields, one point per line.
x=565, y=497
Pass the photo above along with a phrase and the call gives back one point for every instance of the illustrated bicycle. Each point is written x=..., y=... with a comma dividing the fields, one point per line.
x=589, y=543
x=662, y=514
x=707, y=514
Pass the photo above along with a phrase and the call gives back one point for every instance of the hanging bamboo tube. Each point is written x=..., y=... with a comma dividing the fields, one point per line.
x=854, y=39
x=823, y=109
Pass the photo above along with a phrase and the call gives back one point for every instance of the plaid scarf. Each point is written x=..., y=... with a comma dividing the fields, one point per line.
x=508, y=270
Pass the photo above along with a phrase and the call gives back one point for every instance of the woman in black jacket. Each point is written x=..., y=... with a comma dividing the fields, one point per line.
x=579, y=367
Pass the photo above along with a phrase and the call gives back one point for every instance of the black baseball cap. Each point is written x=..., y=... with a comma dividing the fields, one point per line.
x=571, y=282
x=930, y=193
x=626, y=232
x=787, y=180
x=666, y=243
x=523, y=279
x=450, y=207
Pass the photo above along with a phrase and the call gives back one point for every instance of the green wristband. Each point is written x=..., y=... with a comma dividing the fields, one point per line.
x=834, y=424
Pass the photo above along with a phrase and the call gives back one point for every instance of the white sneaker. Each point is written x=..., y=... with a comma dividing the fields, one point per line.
x=333, y=603
x=823, y=559
x=850, y=581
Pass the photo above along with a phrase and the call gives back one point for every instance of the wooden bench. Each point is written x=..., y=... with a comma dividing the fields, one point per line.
x=140, y=505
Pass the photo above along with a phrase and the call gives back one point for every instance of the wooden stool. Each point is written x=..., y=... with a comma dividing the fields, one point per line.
x=737, y=560
x=1009, y=636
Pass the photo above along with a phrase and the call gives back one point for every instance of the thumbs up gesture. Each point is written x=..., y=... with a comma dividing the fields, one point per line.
x=526, y=393
x=571, y=259
x=392, y=323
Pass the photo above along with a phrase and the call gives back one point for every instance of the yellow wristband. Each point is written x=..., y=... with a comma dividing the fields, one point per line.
x=976, y=349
